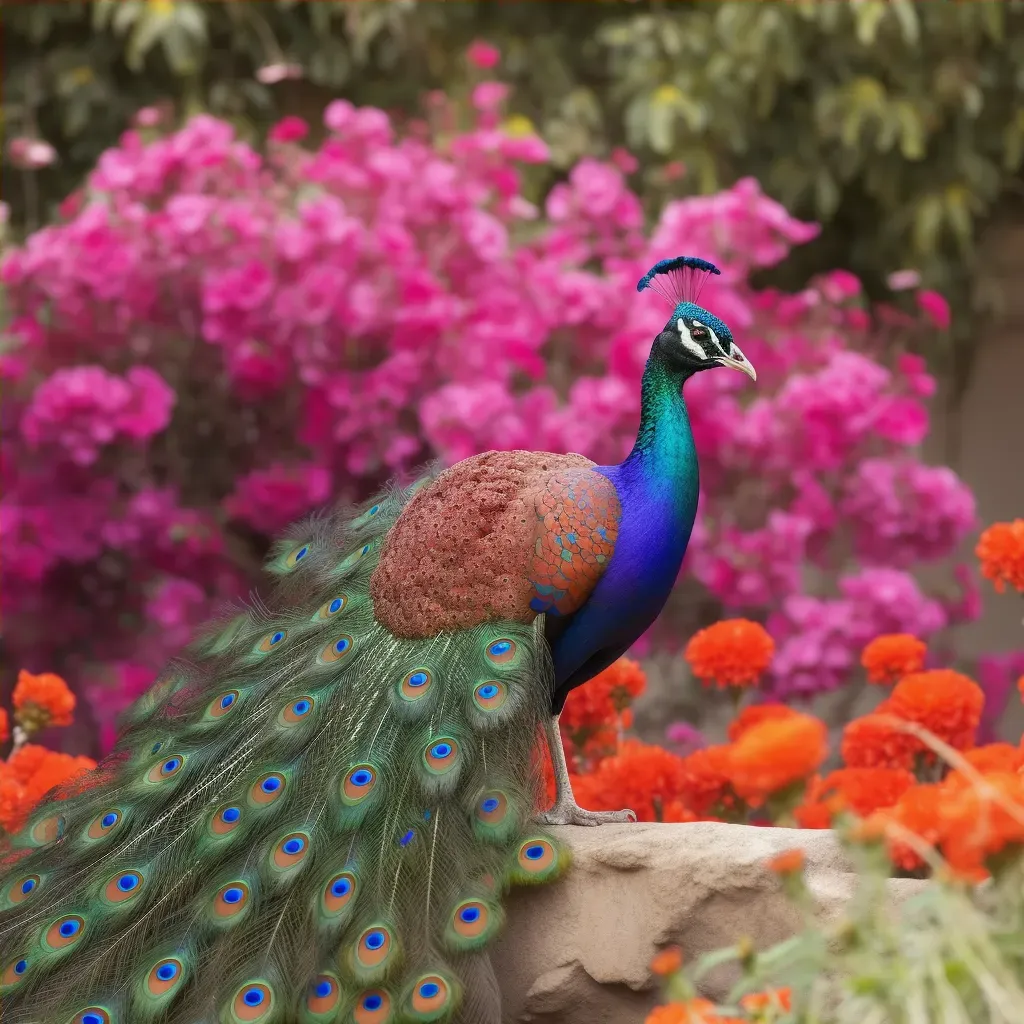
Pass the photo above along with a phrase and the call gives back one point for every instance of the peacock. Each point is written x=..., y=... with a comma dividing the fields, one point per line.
x=313, y=815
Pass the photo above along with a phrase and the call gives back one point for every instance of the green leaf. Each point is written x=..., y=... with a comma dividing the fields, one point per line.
x=869, y=15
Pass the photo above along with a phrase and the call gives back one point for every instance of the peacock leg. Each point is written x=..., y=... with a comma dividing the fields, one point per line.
x=566, y=811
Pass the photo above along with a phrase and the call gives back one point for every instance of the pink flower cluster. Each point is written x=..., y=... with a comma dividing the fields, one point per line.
x=215, y=340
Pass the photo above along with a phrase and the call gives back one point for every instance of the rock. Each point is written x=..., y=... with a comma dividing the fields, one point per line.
x=577, y=952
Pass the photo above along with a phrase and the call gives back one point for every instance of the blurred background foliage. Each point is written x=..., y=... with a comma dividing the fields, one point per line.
x=899, y=126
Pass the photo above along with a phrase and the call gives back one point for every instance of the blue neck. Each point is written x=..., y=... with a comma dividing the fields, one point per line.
x=662, y=467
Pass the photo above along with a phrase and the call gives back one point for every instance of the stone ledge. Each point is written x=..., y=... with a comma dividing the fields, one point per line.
x=577, y=952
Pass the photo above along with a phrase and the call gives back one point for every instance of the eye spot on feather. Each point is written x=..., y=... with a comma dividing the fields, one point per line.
x=225, y=820
x=441, y=755
x=221, y=705
x=415, y=684
x=296, y=555
x=470, y=919
x=324, y=994
x=23, y=888
x=231, y=900
x=492, y=808
x=290, y=851
x=124, y=886
x=374, y=947
x=490, y=695
x=14, y=973
x=164, y=976
x=431, y=997
x=296, y=712
x=267, y=788
x=155, y=749
x=166, y=768
x=358, y=783
x=64, y=932
x=537, y=859
x=329, y=609
x=254, y=1001
x=271, y=642
x=47, y=831
x=372, y=1007
x=339, y=893
x=335, y=651
x=351, y=559
x=501, y=652
x=104, y=823
x=92, y=1015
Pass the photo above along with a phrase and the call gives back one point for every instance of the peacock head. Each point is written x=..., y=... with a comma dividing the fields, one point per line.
x=693, y=339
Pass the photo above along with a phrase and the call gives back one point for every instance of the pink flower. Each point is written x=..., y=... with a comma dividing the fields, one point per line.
x=935, y=307
x=271, y=74
x=147, y=117
x=902, y=280
x=289, y=129
x=489, y=95
x=269, y=499
x=31, y=154
x=483, y=55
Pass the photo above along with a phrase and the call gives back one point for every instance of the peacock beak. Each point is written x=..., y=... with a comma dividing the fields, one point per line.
x=739, y=362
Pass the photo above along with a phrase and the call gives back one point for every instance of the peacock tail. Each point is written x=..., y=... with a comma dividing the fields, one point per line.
x=307, y=819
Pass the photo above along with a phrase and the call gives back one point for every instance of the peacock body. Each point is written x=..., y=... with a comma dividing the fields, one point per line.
x=314, y=814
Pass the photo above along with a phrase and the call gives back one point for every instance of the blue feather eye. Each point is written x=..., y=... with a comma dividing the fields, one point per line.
x=225, y=820
x=92, y=1015
x=268, y=788
x=164, y=977
x=13, y=973
x=335, y=651
x=441, y=755
x=166, y=769
x=296, y=556
x=501, y=652
x=231, y=900
x=290, y=851
x=254, y=1001
x=431, y=998
x=271, y=642
x=23, y=888
x=416, y=684
x=331, y=608
x=324, y=994
x=124, y=886
x=338, y=893
x=296, y=712
x=64, y=932
x=373, y=1007
x=358, y=784
x=220, y=706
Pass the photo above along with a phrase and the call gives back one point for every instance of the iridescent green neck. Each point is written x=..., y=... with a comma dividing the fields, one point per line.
x=664, y=442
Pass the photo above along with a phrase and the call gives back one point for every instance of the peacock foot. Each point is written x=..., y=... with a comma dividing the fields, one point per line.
x=570, y=813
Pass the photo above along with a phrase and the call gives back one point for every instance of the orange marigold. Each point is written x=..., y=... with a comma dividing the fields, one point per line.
x=668, y=961
x=920, y=811
x=773, y=755
x=981, y=821
x=605, y=697
x=1001, y=553
x=890, y=657
x=873, y=741
x=642, y=777
x=789, y=862
x=1020, y=687
x=5, y=727
x=866, y=790
x=754, y=714
x=693, y=1011
x=42, y=700
x=995, y=757
x=945, y=702
x=705, y=779
x=734, y=652
x=778, y=998
x=28, y=776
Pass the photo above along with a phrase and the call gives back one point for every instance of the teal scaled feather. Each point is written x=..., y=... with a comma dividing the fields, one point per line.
x=306, y=820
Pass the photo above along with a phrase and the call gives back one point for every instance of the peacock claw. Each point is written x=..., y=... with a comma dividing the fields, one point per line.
x=573, y=814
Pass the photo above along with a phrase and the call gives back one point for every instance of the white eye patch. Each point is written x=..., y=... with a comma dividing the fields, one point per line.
x=695, y=347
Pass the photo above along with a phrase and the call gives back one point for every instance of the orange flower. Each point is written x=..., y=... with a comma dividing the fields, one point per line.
x=994, y=757
x=874, y=742
x=866, y=790
x=693, y=1011
x=5, y=728
x=775, y=998
x=734, y=652
x=920, y=811
x=42, y=700
x=754, y=714
x=604, y=697
x=945, y=702
x=705, y=779
x=644, y=778
x=789, y=862
x=775, y=754
x=977, y=823
x=668, y=961
x=1001, y=553
x=28, y=776
x=1020, y=687
x=888, y=658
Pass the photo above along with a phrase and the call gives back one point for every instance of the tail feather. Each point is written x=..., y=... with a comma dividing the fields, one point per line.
x=306, y=819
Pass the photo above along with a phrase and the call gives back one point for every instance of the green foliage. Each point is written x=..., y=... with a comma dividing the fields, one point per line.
x=899, y=125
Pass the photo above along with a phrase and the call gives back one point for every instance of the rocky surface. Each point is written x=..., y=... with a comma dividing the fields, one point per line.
x=577, y=952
